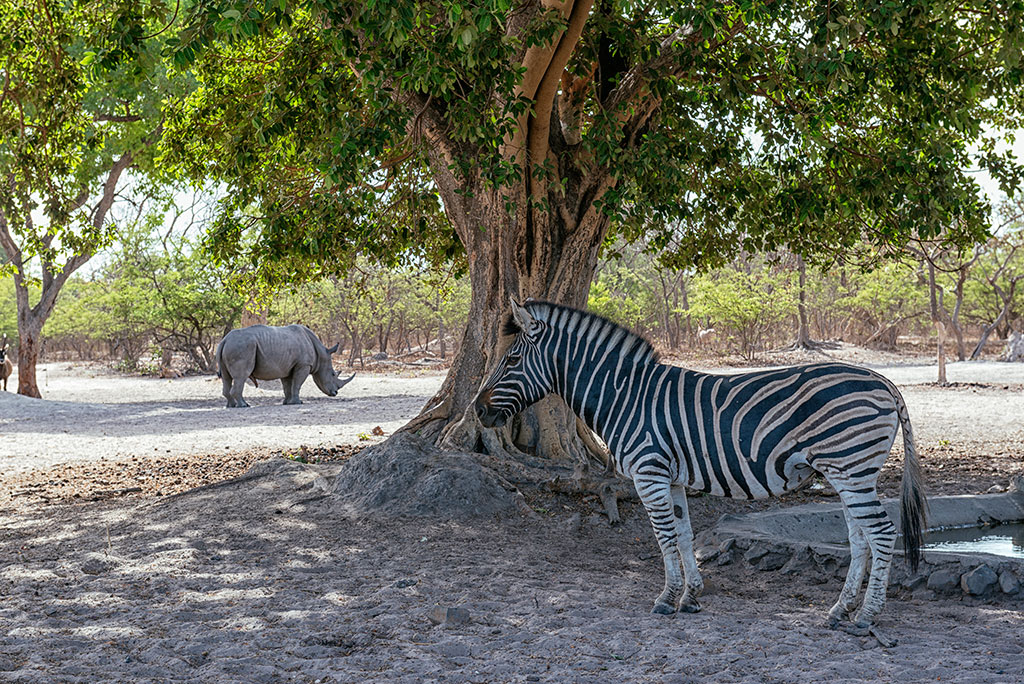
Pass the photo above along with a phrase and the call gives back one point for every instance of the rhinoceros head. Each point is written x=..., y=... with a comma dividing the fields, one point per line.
x=326, y=378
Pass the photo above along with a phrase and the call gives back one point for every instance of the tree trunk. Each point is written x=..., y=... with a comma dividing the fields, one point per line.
x=29, y=334
x=548, y=254
x=958, y=330
x=803, y=334
x=937, y=310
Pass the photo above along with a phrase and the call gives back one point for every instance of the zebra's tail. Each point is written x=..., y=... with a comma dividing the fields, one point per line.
x=913, y=506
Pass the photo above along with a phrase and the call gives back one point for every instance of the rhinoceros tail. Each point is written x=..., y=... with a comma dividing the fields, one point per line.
x=216, y=357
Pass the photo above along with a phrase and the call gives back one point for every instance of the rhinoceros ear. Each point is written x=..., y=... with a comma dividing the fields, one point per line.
x=333, y=350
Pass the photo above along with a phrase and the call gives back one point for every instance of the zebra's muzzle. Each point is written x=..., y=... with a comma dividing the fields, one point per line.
x=488, y=415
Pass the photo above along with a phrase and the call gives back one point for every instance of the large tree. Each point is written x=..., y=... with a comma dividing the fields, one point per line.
x=547, y=127
x=81, y=88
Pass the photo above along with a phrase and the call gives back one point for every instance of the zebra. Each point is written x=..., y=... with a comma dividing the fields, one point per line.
x=745, y=436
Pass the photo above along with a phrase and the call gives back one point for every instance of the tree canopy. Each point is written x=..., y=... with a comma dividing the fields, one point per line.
x=82, y=88
x=715, y=126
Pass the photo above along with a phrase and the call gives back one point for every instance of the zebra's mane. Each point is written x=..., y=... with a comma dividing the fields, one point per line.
x=558, y=316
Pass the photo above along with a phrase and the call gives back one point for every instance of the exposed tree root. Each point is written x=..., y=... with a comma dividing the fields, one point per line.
x=440, y=412
x=609, y=490
x=547, y=448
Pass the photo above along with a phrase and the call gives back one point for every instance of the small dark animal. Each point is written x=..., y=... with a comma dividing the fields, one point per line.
x=5, y=363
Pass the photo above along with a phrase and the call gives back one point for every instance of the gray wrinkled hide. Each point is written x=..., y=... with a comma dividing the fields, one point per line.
x=265, y=352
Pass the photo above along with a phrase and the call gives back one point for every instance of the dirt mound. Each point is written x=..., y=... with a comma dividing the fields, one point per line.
x=409, y=477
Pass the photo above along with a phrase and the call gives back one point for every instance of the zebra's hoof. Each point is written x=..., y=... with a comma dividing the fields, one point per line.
x=689, y=606
x=857, y=630
x=663, y=609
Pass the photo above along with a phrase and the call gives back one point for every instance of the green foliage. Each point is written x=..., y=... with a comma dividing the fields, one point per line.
x=885, y=297
x=81, y=89
x=8, y=309
x=174, y=293
x=78, y=318
x=747, y=304
x=375, y=308
x=728, y=127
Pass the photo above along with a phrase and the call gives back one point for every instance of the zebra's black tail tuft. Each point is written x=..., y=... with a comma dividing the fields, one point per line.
x=913, y=506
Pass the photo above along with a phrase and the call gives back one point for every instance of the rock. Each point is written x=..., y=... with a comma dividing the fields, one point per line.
x=944, y=580
x=979, y=581
x=994, y=489
x=403, y=583
x=706, y=554
x=380, y=356
x=801, y=561
x=449, y=617
x=727, y=557
x=912, y=582
x=756, y=552
x=98, y=564
x=765, y=557
x=1008, y=582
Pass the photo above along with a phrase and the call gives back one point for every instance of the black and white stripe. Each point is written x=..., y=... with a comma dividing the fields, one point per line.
x=745, y=436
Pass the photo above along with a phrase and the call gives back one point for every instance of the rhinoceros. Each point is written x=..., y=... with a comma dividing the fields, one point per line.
x=267, y=352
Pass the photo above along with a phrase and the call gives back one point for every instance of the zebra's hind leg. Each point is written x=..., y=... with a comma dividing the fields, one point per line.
x=656, y=495
x=865, y=512
x=691, y=575
x=881, y=536
x=859, y=558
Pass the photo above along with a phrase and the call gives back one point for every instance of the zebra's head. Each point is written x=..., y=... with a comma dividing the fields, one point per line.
x=522, y=377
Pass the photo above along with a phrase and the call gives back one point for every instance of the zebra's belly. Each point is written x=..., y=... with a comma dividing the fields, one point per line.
x=748, y=478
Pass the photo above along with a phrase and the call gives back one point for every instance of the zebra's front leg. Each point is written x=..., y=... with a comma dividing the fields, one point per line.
x=684, y=533
x=656, y=496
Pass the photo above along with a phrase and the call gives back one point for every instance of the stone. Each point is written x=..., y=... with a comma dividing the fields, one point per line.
x=706, y=554
x=765, y=557
x=773, y=560
x=979, y=581
x=1008, y=582
x=944, y=580
x=97, y=564
x=727, y=557
x=448, y=616
x=756, y=552
x=799, y=562
x=403, y=583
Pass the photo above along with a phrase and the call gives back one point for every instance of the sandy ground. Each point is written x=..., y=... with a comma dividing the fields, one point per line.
x=259, y=580
x=89, y=412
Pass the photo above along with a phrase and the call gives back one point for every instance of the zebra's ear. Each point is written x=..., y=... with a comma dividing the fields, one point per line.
x=521, y=316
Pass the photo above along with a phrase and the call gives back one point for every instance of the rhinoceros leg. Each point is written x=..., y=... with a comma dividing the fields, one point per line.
x=293, y=382
x=234, y=392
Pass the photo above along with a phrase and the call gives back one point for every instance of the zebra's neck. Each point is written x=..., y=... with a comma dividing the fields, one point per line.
x=603, y=377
